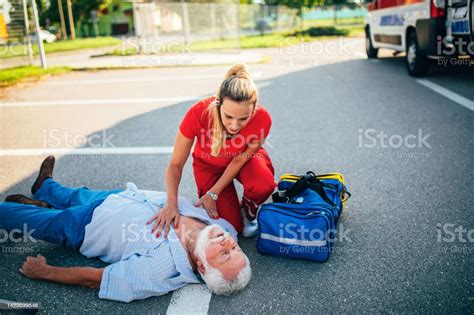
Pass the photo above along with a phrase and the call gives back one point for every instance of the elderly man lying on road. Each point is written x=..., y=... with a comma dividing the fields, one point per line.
x=112, y=225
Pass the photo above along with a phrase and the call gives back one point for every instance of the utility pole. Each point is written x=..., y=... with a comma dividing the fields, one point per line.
x=71, y=19
x=61, y=17
x=184, y=6
x=38, y=36
x=27, y=32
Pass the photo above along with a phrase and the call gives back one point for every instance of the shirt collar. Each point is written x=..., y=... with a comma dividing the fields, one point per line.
x=180, y=257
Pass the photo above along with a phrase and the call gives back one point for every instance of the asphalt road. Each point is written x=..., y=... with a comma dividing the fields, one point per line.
x=405, y=250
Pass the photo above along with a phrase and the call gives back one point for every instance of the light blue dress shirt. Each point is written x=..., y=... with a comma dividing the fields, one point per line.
x=141, y=265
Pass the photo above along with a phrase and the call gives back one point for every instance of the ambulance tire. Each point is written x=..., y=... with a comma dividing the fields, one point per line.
x=417, y=63
x=371, y=51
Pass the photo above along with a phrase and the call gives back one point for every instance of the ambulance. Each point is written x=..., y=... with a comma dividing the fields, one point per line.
x=428, y=31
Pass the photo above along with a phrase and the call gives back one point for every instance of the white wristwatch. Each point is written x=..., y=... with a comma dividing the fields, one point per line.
x=212, y=195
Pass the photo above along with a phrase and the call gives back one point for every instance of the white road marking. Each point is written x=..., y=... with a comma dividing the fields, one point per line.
x=86, y=151
x=191, y=299
x=461, y=100
x=359, y=54
x=163, y=77
x=127, y=80
x=263, y=84
x=111, y=101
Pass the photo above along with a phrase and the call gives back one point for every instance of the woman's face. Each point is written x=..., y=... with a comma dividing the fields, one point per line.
x=235, y=115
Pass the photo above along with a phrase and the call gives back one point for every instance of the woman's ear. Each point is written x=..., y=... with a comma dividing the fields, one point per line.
x=254, y=110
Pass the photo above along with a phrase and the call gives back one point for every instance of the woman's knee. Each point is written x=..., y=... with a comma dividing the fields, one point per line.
x=259, y=188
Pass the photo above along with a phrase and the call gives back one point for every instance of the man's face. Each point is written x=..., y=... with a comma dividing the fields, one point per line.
x=222, y=252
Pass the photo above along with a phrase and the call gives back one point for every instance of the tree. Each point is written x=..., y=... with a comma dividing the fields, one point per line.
x=299, y=5
x=337, y=4
x=81, y=9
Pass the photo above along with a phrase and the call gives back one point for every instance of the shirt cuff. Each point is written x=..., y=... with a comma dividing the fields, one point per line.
x=104, y=292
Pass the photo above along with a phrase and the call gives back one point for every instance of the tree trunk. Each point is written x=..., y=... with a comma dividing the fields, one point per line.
x=300, y=14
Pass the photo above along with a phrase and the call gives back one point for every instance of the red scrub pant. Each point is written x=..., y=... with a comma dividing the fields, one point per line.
x=257, y=178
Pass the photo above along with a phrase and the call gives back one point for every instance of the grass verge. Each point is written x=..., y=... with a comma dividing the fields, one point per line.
x=280, y=39
x=66, y=45
x=12, y=76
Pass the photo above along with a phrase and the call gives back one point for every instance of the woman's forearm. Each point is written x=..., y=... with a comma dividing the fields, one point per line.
x=83, y=276
x=234, y=167
x=173, y=178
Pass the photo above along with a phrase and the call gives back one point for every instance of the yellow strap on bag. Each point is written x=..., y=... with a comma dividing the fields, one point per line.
x=338, y=176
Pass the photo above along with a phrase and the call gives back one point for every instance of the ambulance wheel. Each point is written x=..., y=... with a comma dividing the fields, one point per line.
x=371, y=51
x=417, y=63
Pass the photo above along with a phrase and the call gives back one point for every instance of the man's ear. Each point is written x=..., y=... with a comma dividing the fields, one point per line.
x=200, y=266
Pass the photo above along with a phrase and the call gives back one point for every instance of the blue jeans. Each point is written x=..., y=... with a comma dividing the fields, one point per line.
x=65, y=223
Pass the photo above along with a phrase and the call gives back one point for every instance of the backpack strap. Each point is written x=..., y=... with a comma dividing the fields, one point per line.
x=316, y=185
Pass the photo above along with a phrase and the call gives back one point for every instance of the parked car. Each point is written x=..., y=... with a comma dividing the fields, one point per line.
x=45, y=36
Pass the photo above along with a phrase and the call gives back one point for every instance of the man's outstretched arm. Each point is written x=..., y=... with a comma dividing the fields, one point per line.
x=38, y=268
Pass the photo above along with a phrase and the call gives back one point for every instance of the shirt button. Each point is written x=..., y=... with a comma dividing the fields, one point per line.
x=144, y=200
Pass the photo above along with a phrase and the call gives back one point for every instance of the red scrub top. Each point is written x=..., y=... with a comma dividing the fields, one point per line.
x=198, y=124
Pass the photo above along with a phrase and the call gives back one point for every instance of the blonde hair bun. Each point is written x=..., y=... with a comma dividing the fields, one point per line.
x=238, y=70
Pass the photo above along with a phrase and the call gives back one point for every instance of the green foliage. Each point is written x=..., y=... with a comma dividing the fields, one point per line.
x=322, y=31
x=81, y=10
x=296, y=4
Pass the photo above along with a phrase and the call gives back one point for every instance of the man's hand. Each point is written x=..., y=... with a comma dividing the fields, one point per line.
x=38, y=268
x=35, y=267
x=163, y=219
x=209, y=204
